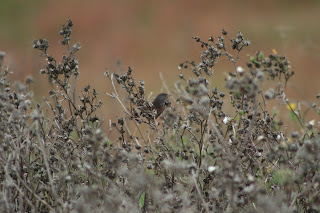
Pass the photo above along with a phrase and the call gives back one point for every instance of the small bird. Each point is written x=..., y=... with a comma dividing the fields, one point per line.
x=160, y=103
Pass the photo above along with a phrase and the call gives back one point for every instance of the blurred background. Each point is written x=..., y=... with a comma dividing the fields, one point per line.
x=155, y=36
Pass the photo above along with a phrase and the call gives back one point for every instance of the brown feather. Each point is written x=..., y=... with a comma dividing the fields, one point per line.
x=159, y=103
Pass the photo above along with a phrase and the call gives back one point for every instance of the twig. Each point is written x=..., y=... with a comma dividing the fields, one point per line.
x=42, y=148
x=295, y=114
x=34, y=194
x=224, y=143
x=199, y=192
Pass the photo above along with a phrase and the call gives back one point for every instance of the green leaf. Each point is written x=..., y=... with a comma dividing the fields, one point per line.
x=142, y=200
x=268, y=185
x=74, y=135
x=150, y=171
x=293, y=116
x=260, y=55
x=282, y=177
x=310, y=132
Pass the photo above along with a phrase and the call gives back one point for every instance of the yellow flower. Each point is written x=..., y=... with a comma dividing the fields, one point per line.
x=274, y=51
x=292, y=106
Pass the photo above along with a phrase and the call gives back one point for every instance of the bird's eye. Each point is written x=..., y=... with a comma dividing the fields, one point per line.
x=167, y=103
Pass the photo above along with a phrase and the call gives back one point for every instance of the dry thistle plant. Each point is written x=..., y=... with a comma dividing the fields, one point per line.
x=200, y=159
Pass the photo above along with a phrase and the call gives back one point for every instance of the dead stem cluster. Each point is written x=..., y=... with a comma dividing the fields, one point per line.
x=200, y=158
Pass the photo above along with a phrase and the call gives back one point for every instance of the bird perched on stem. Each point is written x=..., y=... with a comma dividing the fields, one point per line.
x=160, y=103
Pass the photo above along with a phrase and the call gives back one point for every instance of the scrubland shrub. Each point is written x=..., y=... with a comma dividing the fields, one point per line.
x=196, y=158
